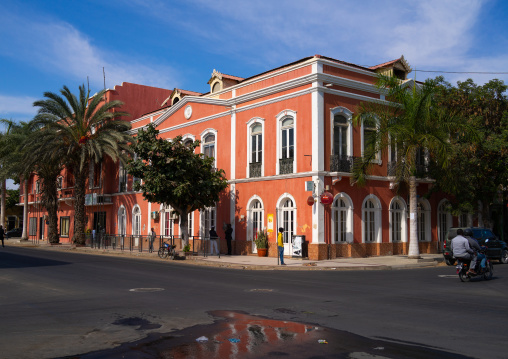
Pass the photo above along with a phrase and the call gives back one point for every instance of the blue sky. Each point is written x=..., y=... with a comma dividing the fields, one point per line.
x=47, y=44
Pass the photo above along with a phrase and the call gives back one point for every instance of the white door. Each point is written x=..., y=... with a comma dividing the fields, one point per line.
x=256, y=223
x=287, y=221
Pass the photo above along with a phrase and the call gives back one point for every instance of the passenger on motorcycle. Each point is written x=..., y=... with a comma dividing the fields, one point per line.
x=475, y=246
x=461, y=249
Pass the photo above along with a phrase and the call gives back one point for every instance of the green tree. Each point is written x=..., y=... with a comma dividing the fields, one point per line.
x=12, y=198
x=478, y=168
x=172, y=174
x=411, y=122
x=18, y=161
x=88, y=129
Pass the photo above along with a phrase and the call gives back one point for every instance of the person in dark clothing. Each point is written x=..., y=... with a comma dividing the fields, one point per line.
x=213, y=241
x=2, y=233
x=229, y=237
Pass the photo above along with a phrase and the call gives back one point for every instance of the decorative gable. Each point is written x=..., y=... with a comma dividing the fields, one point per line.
x=398, y=68
x=220, y=81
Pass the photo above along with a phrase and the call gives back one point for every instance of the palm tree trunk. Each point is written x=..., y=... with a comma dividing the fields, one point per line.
x=24, y=236
x=2, y=211
x=79, y=205
x=414, y=250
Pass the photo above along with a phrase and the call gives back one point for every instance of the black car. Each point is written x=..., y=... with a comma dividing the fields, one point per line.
x=14, y=233
x=496, y=248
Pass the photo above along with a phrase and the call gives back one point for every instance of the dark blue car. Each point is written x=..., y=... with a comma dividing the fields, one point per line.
x=14, y=233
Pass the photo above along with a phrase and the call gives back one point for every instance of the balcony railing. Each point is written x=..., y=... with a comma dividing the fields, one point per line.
x=421, y=169
x=285, y=166
x=255, y=169
x=341, y=163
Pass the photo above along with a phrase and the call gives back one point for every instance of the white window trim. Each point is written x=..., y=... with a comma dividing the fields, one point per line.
x=377, y=218
x=403, y=229
x=278, y=210
x=378, y=159
x=449, y=219
x=281, y=116
x=162, y=218
x=349, y=217
x=203, y=135
x=249, y=215
x=427, y=213
x=140, y=219
x=349, y=116
x=202, y=221
x=190, y=137
x=251, y=123
x=122, y=207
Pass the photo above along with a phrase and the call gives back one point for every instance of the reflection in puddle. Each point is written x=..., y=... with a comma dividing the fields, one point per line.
x=239, y=335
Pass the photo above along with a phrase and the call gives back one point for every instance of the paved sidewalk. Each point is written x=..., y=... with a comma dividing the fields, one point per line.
x=253, y=262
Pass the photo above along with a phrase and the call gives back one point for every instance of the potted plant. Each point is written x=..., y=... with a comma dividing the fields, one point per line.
x=261, y=241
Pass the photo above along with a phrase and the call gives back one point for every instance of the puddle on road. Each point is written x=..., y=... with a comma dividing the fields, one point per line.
x=240, y=335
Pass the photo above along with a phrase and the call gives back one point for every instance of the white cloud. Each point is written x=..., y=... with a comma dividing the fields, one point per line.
x=57, y=47
x=17, y=105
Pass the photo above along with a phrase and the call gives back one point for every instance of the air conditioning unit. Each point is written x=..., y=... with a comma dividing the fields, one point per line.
x=155, y=215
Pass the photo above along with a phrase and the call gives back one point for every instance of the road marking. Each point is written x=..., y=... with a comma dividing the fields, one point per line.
x=146, y=290
x=447, y=275
x=260, y=290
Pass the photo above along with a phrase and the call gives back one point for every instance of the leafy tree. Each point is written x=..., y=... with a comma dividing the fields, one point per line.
x=12, y=198
x=410, y=123
x=174, y=175
x=87, y=129
x=19, y=161
x=478, y=168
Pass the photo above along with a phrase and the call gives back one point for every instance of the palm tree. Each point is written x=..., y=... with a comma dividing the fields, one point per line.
x=16, y=163
x=87, y=129
x=5, y=165
x=411, y=122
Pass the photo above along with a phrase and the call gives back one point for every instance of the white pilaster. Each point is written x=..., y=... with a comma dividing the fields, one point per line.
x=318, y=160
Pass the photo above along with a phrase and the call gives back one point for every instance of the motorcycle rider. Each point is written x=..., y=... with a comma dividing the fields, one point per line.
x=475, y=246
x=461, y=249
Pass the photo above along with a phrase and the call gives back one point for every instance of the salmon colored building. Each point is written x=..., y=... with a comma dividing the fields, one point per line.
x=286, y=142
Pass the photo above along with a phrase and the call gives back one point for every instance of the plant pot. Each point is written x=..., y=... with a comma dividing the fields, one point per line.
x=262, y=252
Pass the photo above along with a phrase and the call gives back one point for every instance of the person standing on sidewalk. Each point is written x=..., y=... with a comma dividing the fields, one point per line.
x=2, y=233
x=213, y=241
x=151, y=238
x=229, y=237
x=280, y=246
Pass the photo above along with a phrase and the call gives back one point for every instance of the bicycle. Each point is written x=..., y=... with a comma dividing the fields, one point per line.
x=167, y=250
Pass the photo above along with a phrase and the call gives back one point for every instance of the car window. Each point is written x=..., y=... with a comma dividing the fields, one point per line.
x=452, y=233
x=477, y=233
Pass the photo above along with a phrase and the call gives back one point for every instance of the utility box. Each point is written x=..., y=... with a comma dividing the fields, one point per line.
x=299, y=247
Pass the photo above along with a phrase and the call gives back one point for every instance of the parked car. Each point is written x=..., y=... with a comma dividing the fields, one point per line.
x=497, y=249
x=14, y=233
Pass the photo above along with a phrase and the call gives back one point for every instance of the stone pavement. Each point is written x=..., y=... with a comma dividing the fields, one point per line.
x=253, y=262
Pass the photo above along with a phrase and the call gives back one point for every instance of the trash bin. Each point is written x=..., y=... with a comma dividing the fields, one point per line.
x=297, y=246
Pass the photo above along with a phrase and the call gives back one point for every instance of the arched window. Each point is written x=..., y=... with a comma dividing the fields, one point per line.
x=208, y=145
x=255, y=215
x=369, y=129
x=122, y=221
x=286, y=141
x=398, y=220
x=136, y=221
x=168, y=221
x=340, y=135
x=256, y=149
x=216, y=87
x=444, y=220
x=208, y=220
x=423, y=221
x=288, y=222
x=371, y=214
x=342, y=218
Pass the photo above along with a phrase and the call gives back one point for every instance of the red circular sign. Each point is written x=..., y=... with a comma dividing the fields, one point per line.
x=310, y=201
x=326, y=198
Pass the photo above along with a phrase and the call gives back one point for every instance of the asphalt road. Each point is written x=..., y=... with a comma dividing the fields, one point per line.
x=57, y=304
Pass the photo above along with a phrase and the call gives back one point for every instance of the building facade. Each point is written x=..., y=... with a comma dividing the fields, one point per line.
x=284, y=138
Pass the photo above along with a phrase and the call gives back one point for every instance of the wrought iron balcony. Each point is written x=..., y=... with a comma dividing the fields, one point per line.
x=341, y=163
x=285, y=166
x=255, y=169
x=421, y=170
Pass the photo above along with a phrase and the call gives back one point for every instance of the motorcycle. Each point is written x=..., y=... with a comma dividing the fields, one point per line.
x=465, y=275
